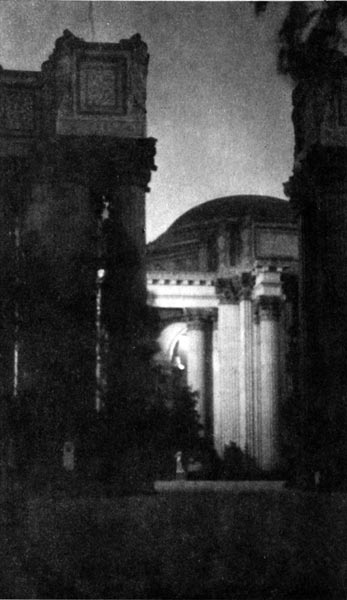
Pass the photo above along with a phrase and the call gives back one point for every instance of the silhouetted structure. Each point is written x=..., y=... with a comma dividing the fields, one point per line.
x=318, y=188
x=74, y=167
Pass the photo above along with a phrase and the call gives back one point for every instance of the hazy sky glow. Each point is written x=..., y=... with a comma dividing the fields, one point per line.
x=220, y=111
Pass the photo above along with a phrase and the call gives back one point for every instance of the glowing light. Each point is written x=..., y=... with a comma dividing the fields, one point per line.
x=178, y=363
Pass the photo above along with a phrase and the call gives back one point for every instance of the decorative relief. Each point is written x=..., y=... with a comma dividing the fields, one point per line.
x=277, y=243
x=102, y=86
x=17, y=110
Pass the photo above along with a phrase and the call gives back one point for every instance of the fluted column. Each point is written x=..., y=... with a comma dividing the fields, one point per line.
x=257, y=384
x=217, y=413
x=196, y=361
x=228, y=350
x=246, y=371
x=268, y=294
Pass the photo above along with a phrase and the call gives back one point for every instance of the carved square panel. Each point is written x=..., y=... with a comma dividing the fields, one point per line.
x=17, y=110
x=102, y=86
x=276, y=243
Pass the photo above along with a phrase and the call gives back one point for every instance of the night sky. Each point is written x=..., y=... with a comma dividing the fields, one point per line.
x=220, y=111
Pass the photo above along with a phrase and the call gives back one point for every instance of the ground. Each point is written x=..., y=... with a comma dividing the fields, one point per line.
x=231, y=543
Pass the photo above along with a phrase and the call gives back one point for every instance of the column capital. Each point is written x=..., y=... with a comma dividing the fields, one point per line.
x=269, y=308
x=268, y=282
x=246, y=286
x=227, y=290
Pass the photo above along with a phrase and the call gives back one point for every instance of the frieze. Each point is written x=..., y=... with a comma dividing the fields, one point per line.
x=102, y=85
x=95, y=162
x=275, y=242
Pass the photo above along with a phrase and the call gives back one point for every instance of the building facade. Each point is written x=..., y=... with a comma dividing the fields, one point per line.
x=224, y=280
x=75, y=162
x=318, y=193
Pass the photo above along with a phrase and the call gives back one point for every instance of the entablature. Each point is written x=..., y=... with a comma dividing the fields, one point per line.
x=84, y=89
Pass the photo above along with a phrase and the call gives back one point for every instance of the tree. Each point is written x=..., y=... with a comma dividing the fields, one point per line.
x=134, y=441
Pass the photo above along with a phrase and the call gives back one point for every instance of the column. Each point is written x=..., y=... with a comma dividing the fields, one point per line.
x=217, y=414
x=246, y=371
x=196, y=360
x=129, y=207
x=228, y=351
x=257, y=384
x=268, y=294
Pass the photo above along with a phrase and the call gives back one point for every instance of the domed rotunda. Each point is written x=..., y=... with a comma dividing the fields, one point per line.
x=224, y=280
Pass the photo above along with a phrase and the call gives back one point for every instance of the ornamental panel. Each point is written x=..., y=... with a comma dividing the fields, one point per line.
x=102, y=85
x=276, y=243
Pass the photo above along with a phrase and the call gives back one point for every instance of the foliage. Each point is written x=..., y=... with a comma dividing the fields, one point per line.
x=238, y=465
x=125, y=446
x=310, y=36
x=145, y=429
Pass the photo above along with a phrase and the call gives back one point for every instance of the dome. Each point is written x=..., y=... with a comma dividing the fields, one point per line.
x=196, y=232
x=262, y=209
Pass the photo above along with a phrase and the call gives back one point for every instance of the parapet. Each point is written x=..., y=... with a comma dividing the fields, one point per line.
x=83, y=89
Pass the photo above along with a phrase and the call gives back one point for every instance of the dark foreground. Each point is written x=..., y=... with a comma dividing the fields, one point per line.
x=221, y=544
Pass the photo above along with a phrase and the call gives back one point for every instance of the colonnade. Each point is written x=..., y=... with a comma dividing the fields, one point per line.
x=246, y=366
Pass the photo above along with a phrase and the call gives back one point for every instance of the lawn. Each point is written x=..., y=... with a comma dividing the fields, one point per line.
x=263, y=544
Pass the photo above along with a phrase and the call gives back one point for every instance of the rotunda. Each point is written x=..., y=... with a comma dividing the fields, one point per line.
x=224, y=280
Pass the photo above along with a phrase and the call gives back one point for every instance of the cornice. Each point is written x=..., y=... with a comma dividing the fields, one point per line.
x=68, y=42
x=95, y=162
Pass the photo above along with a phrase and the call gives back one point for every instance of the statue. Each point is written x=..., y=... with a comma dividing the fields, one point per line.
x=180, y=471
